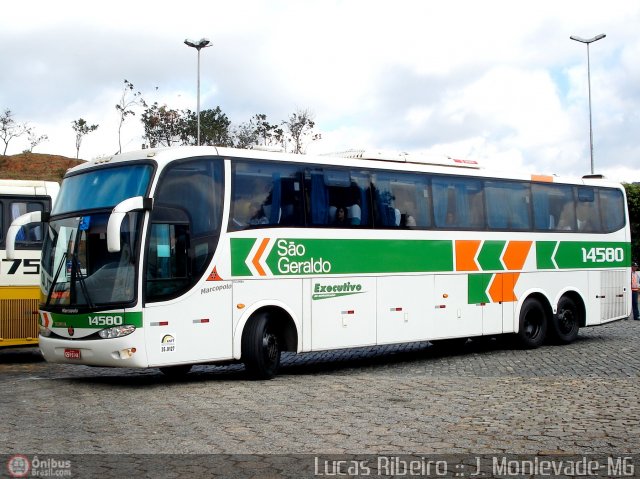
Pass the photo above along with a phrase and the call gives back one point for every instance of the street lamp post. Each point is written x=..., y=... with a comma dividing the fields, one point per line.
x=198, y=45
x=588, y=41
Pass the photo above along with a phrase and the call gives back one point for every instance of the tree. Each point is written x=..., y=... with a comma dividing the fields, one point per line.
x=214, y=128
x=82, y=128
x=9, y=129
x=299, y=126
x=35, y=140
x=633, y=203
x=258, y=131
x=244, y=136
x=128, y=100
x=162, y=125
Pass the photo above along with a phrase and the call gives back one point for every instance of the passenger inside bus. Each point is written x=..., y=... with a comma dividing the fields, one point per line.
x=257, y=215
x=354, y=214
x=340, y=216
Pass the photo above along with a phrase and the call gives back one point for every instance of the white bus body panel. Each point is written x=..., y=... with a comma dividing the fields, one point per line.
x=343, y=320
x=405, y=308
x=194, y=328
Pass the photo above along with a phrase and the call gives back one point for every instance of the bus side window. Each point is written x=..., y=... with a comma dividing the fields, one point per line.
x=611, y=209
x=545, y=209
x=458, y=203
x=507, y=205
x=588, y=210
x=31, y=233
x=265, y=195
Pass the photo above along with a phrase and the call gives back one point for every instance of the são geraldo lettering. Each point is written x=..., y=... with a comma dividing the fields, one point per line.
x=291, y=259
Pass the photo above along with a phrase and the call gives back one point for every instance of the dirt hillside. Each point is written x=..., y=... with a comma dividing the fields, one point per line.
x=35, y=166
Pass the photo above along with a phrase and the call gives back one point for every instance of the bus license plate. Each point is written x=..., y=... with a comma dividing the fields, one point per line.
x=72, y=353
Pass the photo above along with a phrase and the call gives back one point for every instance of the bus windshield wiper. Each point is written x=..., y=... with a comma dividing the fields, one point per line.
x=63, y=261
x=80, y=278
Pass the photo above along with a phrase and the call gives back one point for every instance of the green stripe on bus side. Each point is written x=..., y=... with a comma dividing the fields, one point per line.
x=582, y=254
x=96, y=319
x=294, y=256
x=240, y=248
x=544, y=253
x=489, y=256
x=478, y=284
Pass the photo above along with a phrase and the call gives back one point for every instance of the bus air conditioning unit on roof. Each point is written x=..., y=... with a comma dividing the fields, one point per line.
x=403, y=157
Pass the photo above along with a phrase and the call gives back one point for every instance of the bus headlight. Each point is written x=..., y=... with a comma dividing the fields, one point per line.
x=44, y=332
x=117, y=331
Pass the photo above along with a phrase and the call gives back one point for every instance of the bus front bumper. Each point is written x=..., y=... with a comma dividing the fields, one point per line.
x=125, y=352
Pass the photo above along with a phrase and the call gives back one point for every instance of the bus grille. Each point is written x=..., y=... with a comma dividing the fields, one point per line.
x=18, y=319
x=613, y=291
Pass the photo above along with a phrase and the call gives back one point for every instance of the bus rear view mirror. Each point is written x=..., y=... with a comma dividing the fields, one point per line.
x=118, y=214
x=16, y=226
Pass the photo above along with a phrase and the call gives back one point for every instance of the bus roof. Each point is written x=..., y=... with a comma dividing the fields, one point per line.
x=28, y=187
x=365, y=158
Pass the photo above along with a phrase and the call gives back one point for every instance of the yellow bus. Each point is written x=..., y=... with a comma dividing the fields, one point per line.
x=20, y=276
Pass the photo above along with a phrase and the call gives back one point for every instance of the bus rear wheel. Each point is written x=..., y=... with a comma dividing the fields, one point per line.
x=261, y=347
x=533, y=324
x=566, y=322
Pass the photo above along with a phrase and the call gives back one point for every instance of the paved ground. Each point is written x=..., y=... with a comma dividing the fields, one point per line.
x=486, y=398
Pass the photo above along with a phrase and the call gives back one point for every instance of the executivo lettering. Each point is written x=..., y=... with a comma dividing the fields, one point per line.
x=324, y=291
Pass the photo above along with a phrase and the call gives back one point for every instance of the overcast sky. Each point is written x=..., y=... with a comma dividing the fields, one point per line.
x=497, y=81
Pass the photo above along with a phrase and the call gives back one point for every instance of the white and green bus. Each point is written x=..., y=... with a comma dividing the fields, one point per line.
x=20, y=275
x=173, y=257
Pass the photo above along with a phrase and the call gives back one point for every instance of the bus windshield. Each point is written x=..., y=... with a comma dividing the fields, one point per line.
x=77, y=269
x=102, y=188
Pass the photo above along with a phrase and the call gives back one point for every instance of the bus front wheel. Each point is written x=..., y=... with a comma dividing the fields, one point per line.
x=533, y=324
x=261, y=347
x=566, y=322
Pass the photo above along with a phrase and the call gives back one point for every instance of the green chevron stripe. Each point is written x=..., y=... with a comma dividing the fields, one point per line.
x=477, y=288
x=489, y=257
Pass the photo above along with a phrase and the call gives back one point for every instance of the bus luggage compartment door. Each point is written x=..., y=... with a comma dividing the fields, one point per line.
x=343, y=312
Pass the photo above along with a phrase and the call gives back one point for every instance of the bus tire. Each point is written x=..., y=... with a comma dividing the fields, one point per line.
x=533, y=324
x=175, y=372
x=566, y=322
x=261, y=347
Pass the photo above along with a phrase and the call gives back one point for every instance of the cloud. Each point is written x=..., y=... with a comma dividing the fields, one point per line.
x=496, y=80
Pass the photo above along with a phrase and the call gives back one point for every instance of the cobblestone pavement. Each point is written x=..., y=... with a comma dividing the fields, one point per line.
x=485, y=397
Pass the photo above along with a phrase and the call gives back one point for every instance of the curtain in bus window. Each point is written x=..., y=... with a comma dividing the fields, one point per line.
x=319, y=199
x=507, y=205
x=384, y=199
x=554, y=207
x=462, y=205
x=440, y=202
x=541, y=216
x=458, y=202
x=497, y=198
x=363, y=199
x=275, y=208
